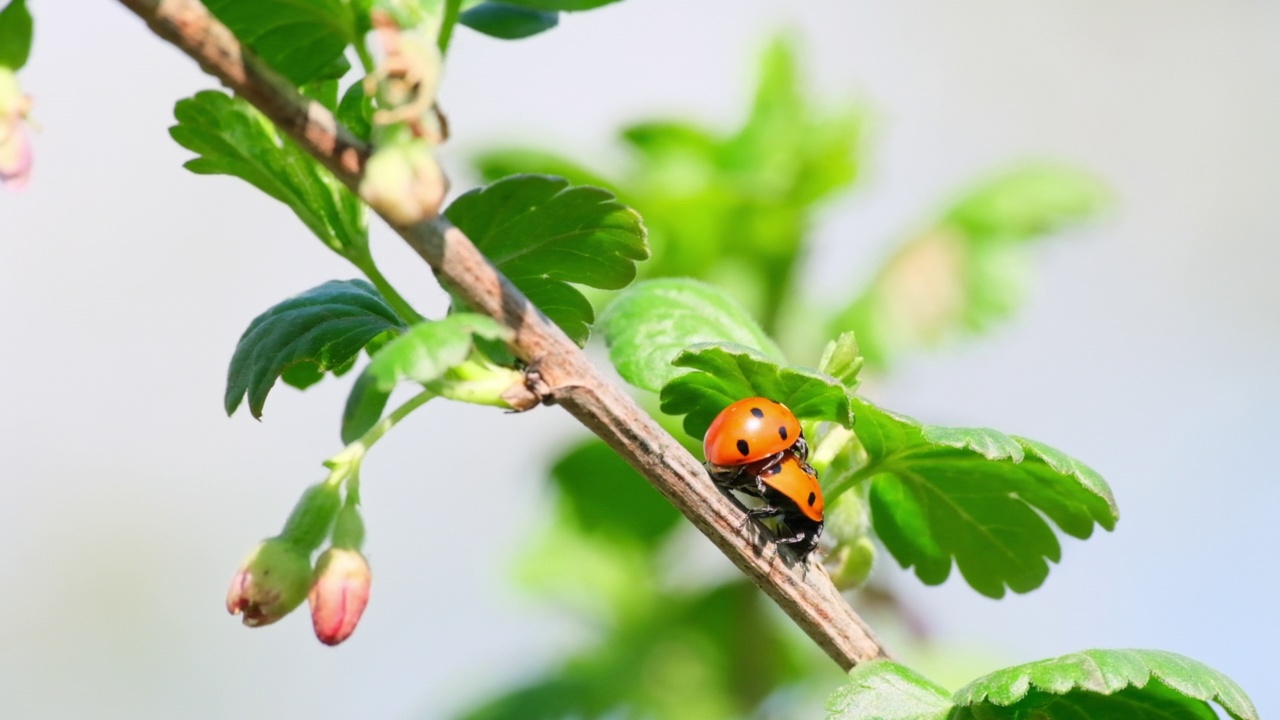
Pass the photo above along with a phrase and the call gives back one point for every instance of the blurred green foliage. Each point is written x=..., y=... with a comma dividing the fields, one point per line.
x=735, y=210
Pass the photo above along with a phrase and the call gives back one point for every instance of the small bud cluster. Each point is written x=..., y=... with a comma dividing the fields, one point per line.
x=15, y=148
x=278, y=574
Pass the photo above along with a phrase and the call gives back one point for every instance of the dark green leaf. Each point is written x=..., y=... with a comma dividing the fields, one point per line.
x=562, y=5
x=725, y=373
x=423, y=354
x=319, y=330
x=885, y=690
x=971, y=495
x=603, y=494
x=508, y=21
x=544, y=235
x=1106, y=684
x=232, y=138
x=971, y=270
x=650, y=322
x=324, y=92
x=301, y=40
x=15, y=35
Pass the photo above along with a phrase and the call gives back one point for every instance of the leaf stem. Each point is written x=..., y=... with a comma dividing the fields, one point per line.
x=366, y=57
x=452, y=9
x=346, y=464
x=393, y=298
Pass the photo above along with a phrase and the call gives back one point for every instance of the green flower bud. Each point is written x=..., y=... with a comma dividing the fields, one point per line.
x=308, y=525
x=403, y=181
x=852, y=562
x=271, y=582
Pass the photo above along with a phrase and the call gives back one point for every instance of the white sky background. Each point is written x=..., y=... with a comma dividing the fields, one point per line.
x=1148, y=349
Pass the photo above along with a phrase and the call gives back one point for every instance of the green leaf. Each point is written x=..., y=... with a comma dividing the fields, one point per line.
x=1095, y=684
x=355, y=111
x=1106, y=684
x=423, y=354
x=603, y=494
x=508, y=21
x=233, y=138
x=650, y=322
x=16, y=29
x=300, y=39
x=971, y=270
x=301, y=338
x=972, y=496
x=543, y=235
x=725, y=373
x=885, y=690
x=562, y=5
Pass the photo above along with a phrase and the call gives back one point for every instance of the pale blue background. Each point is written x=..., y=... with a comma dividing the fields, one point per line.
x=1148, y=349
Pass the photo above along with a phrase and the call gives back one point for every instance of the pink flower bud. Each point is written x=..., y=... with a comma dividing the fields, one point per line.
x=270, y=583
x=339, y=594
x=15, y=148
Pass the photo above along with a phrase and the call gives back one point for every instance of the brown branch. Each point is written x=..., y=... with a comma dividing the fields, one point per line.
x=559, y=371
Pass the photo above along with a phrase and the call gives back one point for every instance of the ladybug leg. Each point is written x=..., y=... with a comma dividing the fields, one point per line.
x=801, y=448
x=762, y=513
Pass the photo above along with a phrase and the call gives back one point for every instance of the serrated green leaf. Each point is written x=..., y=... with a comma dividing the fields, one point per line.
x=508, y=21
x=301, y=40
x=648, y=324
x=972, y=269
x=423, y=354
x=543, y=234
x=562, y=5
x=971, y=495
x=1106, y=684
x=1094, y=684
x=725, y=373
x=233, y=138
x=885, y=690
x=603, y=494
x=16, y=30
x=319, y=330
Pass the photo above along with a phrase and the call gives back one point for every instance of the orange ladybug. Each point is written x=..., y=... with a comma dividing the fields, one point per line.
x=750, y=431
x=791, y=493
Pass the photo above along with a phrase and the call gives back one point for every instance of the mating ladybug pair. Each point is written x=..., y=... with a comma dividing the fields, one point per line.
x=755, y=447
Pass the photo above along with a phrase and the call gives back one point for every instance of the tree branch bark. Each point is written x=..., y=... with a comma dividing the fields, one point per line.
x=559, y=371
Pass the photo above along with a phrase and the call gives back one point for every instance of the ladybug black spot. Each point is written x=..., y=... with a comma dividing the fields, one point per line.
x=812, y=499
x=782, y=431
x=744, y=448
x=757, y=413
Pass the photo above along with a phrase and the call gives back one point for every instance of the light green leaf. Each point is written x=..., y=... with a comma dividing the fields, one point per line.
x=508, y=21
x=972, y=496
x=725, y=373
x=649, y=323
x=604, y=495
x=300, y=39
x=1106, y=684
x=16, y=30
x=320, y=330
x=1094, y=684
x=423, y=354
x=885, y=690
x=233, y=138
x=543, y=234
x=971, y=270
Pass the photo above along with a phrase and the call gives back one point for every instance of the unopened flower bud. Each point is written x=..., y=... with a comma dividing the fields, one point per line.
x=15, y=148
x=404, y=183
x=271, y=582
x=339, y=594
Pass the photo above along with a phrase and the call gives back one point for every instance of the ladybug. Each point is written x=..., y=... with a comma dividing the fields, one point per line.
x=752, y=432
x=791, y=493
